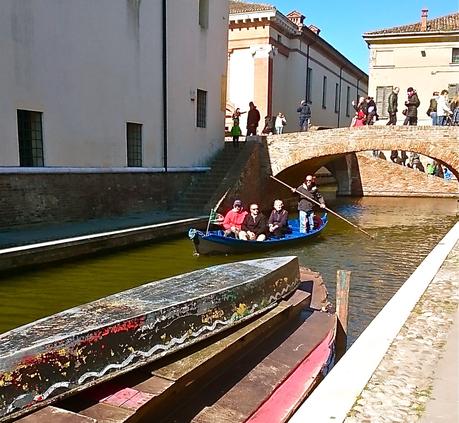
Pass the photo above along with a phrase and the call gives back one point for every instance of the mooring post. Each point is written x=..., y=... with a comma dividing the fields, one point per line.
x=343, y=282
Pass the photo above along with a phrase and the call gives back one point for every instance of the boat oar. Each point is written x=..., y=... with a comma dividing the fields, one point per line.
x=214, y=210
x=326, y=208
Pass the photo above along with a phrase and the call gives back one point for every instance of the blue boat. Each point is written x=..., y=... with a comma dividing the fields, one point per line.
x=214, y=242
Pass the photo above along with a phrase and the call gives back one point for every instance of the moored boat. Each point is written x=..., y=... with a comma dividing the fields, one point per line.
x=70, y=351
x=214, y=242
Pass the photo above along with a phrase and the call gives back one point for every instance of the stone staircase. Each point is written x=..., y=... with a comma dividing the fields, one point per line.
x=207, y=188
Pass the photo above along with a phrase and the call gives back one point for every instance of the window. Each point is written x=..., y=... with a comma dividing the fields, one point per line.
x=382, y=98
x=30, y=137
x=308, y=85
x=455, y=56
x=348, y=99
x=204, y=14
x=279, y=38
x=134, y=144
x=201, y=109
x=336, y=98
x=324, y=93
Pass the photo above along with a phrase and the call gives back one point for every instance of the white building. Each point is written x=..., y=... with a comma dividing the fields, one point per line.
x=277, y=60
x=91, y=84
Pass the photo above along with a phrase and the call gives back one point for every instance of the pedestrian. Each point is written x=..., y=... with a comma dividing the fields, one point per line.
x=253, y=117
x=392, y=106
x=305, y=115
x=269, y=129
x=403, y=157
x=236, y=131
x=308, y=190
x=454, y=106
x=442, y=108
x=371, y=110
x=447, y=175
x=280, y=123
x=394, y=156
x=412, y=104
x=432, y=110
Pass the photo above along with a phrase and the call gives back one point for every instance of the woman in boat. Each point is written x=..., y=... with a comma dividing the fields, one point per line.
x=278, y=220
x=254, y=225
x=233, y=219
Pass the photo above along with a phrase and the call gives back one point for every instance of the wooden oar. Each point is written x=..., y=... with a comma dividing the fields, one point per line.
x=326, y=208
x=215, y=210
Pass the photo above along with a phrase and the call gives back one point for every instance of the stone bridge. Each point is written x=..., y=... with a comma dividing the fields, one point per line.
x=293, y=154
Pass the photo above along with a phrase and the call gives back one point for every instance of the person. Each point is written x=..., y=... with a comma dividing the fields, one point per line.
x=403, y=157
x=415, y=163
x=454, y=106
x=269, y=125
x=305, y=115
x=447, y=175
x=308, y=190
x=360, y=119
x=236, y=129
x=392, y=106
x=280, y=123
x=278, y=220
x=442, y=108
x=371, y=111
x=432, y=110
x=394, y=156
x=253, y=117
x=360, y=106
x=233, y=219
x=412, y=104
x=254, y=225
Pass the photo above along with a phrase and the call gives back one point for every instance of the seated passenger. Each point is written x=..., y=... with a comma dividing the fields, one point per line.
x=253, y=226
x=278, y=220
x=233, y=219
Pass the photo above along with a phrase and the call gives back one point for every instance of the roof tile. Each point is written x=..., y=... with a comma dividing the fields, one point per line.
x=246, y=7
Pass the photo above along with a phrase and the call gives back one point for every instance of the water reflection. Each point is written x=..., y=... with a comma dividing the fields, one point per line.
x=405, y=231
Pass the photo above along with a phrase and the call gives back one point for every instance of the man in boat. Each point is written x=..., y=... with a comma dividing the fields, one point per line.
x=233, y=219
x=254, y=225
x=278, y=220
x=308, y=190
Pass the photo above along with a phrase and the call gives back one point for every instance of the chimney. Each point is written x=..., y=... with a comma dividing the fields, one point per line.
x=424, y=19
x=297, y=18
x=314, y=29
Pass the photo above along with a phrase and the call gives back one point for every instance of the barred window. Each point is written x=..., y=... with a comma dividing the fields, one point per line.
x=308, y=85
x=348, y=100
x=204, y=14
x=134, y=144
x=201, y=109
x=336, y=98
x=324, y=93
x=30, y=137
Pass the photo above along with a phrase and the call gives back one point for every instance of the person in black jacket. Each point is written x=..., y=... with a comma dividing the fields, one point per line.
x=412, y=105
x=308, y=190
x=392, y=106
x=254, y=225
x=278, y=220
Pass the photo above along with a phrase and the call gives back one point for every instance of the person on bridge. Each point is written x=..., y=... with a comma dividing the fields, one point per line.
x=306, y=207
x=253, y=117
x=412, y=104
x=432, y=110
x=392, y=106
x=305, y=115
x=280, y=123
x=233, y=220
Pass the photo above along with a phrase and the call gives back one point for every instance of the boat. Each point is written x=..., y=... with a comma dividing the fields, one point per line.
x=257, y=371
x=78, y=348
x=214, y=242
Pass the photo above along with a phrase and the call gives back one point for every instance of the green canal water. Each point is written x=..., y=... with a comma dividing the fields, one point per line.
x=405, y=231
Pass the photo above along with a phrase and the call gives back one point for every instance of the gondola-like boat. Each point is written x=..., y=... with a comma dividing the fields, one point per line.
x=214, y=242
x=73, y=350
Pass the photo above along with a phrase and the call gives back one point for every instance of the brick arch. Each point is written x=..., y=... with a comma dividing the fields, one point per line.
x=439, y=143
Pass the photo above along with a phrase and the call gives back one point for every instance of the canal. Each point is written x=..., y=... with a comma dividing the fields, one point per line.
x=405, y=230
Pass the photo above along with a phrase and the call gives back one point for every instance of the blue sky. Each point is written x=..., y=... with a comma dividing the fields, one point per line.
x=342, y=23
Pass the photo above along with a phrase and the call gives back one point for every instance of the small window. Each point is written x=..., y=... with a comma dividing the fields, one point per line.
x=204, y=14
x=336, y=98
x=348, y=100
x=455, y=56
x=30, y=137
x=308, y=85
x=201, y=109
x=324, y=92
x=279, y=38
x=134, y=144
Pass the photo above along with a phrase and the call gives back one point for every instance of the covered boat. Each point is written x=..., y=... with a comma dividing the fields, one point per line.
x=70, y=351
x=214, y=242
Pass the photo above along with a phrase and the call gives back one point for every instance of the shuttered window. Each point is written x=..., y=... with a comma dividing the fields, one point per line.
x=453, y=90
x=382, y=97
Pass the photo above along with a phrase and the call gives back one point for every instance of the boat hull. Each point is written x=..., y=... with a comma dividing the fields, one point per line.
x=72, y=350
x=215, y=243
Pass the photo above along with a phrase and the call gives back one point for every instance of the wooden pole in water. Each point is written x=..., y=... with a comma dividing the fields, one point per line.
x=343, y=283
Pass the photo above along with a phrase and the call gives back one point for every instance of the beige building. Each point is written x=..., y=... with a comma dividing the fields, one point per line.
x=423, y=55
x=111, y=83
x=278, y=60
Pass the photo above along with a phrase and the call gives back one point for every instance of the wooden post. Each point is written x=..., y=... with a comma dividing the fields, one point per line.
x=343, y=282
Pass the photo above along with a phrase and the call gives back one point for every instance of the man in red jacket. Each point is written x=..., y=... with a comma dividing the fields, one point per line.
x=233, y=219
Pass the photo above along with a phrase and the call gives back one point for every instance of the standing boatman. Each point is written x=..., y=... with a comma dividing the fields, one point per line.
x=306, y=207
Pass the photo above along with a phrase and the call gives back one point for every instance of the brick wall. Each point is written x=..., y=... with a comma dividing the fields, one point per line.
x=51, y=197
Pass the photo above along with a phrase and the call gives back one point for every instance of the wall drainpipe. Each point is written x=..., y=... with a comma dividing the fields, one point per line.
x=164, y=51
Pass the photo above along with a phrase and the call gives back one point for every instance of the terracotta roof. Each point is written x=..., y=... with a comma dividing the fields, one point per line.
x=246, y=7
x=443, y=23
